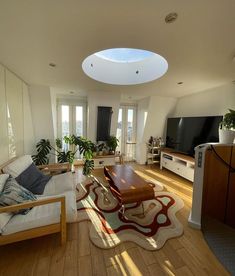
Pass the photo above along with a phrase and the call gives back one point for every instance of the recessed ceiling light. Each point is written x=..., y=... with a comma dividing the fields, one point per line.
x=171, y=17
x=52, y=64
x=180, y=82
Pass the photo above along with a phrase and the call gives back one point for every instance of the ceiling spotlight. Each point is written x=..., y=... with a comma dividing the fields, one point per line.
x=52, y=64
x=137, y=72
x=180, y=82
x=171, y=17
x=91, y=64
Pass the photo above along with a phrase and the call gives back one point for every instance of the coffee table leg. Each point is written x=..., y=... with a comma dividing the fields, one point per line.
x=122, y=211
x=143, y=212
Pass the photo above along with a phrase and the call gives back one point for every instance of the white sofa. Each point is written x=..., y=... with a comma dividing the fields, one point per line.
x=41, y=217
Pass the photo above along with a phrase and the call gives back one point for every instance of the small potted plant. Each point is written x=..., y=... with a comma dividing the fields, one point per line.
x=227, y=128
x=95, y=150
x=100, y=148
x=112, y=143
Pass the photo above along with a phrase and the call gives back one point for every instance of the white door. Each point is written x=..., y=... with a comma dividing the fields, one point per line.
x=126, y=132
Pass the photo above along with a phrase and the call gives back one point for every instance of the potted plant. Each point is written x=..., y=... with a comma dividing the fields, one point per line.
x=83, y=145
x=227, y=128
x=112, y=143
x=100, y=148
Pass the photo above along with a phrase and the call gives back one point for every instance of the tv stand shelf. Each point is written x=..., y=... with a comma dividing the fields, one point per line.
x=178, y=163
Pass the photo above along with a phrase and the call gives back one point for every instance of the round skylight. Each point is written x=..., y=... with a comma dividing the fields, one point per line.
x=124, y=66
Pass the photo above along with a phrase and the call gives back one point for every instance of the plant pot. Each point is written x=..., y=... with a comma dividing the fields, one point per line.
x=105, y=152
x=226, y=136
x=100, y=153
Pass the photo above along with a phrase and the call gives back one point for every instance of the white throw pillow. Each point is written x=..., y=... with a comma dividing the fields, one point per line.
x=4, y=217
x=16, y=167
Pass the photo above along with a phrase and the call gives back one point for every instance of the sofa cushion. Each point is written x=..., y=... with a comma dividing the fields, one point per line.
x=4, y=217
x=33, y=179
x=3, y=179
x=13, y=193
x=59, y=184
x=43, y=215
x=17, y=166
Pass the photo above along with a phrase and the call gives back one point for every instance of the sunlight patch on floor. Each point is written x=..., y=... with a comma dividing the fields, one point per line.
x=166, y=178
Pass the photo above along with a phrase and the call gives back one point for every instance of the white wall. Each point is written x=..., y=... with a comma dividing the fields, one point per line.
x=29, y=139
x=142, y=115
x=4, y=156
x=16, y=132
x=158, y=109
x=214, y=101
x=96, y=99
x=54, y=111
x=40, y=99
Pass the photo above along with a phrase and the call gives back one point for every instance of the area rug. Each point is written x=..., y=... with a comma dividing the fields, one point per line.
x=109, y=227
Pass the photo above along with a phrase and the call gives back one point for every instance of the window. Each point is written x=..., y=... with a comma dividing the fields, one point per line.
x=126, y=131
x=71, y=118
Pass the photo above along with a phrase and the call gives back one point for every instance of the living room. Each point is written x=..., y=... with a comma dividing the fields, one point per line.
x=46, y=89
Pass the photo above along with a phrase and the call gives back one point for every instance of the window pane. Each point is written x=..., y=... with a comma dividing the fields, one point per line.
x=65, y=120
x=130, y=130
x=65, y=124
x=119, y=130
x=79, y=121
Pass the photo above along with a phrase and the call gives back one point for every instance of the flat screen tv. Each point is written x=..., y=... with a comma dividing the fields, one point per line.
x=185, y=133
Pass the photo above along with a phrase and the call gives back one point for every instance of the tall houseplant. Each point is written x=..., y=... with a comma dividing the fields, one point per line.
x=112, y=143
x=83, y=145
x=227, y=128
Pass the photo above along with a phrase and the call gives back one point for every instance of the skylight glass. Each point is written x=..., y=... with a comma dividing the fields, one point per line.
x=124, y=54
x=125, y=66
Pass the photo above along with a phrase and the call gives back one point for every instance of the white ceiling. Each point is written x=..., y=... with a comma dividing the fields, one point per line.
x=199, y=46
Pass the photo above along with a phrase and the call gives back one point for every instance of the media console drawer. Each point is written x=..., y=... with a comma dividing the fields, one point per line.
x=183, y=166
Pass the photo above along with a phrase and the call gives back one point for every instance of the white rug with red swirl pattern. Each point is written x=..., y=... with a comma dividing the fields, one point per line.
x=109, y=227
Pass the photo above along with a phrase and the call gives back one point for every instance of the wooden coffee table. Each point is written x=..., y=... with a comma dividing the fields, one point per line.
x=127, y=186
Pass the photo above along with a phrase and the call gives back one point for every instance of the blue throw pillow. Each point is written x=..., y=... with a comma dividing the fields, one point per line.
x=13, y=193
x=33, y=179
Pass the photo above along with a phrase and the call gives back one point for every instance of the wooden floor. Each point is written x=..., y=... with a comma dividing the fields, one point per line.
x=186, y=255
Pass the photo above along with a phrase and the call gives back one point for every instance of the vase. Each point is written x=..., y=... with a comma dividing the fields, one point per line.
x=226, y=136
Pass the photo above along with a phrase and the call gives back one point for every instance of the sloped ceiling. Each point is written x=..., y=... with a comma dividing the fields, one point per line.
x=199, y=46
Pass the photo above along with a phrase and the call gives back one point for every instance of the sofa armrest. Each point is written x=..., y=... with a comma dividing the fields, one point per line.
x=30, y=204
x=55, y=168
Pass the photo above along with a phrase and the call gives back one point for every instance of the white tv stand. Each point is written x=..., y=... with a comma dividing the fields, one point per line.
x=178, y=163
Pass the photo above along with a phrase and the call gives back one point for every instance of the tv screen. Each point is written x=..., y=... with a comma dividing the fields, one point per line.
x=185, y=133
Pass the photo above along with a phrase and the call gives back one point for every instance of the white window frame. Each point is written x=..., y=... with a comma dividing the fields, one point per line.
x=72, y=103
x=125, y=108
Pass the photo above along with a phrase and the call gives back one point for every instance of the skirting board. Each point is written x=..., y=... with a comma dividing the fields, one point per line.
x=193, y=224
